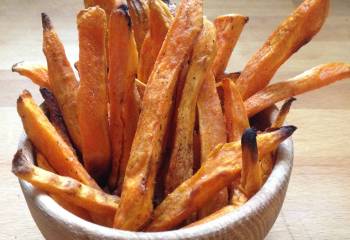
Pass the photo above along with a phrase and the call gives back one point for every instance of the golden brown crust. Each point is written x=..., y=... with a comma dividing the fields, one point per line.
x=37, y=73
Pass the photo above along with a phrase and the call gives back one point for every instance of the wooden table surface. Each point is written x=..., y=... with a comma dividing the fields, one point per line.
x=317, y=205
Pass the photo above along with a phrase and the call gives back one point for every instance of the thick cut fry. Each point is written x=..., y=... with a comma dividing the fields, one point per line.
x=67, y=188
x=212, y=132
x=181, y=160
x=146, y=148
x=139, y=12
x=282, y=113
x=251, y=174
x=92, y=94
x=78, y=211
x=312, y=79
x=228, y=30
x=124, y=110
x=55, y=115
x=63, y=83
x=160, y=19
x=236, y=116
x=220, y=170
x=35, y=72
x=294, y=32
x=47, y=140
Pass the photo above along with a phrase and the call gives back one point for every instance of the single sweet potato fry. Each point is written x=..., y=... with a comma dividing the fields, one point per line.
x=66, y=188
x=92, y=94
x=106, y=5
x=78, y=211
x=63, y=83
x=124, y=110
x=312, y=79
x=235, y=114
x=139, y=12
x=47, y=140
x=55, y=115
x=35, y=72
x=228, y=30
x=282, y=113
x=212, y=132
x=160, y=19
x=181, y=160
x=294, y=32
x=147, y=145
x=223, y=165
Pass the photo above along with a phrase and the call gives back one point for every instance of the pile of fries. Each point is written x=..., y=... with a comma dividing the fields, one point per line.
x=156, y=135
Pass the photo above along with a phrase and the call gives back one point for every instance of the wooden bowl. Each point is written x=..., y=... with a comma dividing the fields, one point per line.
x=250, y=222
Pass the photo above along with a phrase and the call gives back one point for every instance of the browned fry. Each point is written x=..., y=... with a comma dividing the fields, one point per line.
x=181, y=160
x=160, y=19
x=35, y=72
x=66, y=188
x=78, y=211
x=92, y=94
x=251, y=174
x=124, y=110
x=220, y=170
x=294, y=32
x=63, y=83
x=236, y=116
x=228, y=30
x=232, y=76
x=282, y=113
x=212, y=132
x=55, y=114
x=139, y=12
x=47, y=140
x=138, y=188
x=312, y=79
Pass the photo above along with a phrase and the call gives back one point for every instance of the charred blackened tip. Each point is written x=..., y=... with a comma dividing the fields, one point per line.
x=288, y=130
x=15, y=66
x=249, y=138
x=125, y=10
x=46, y=22
x=20, y=163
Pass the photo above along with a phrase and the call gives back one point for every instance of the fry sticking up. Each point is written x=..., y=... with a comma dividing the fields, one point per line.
x=106, y=5
x=67, y=188
x=78, y=211
x=55, y=114
x=160, y=19
x=35, y=72
x=146, y=148
x=312, y=79
x=63, y=83
x=139, y=11
x=220, y=170
x=181, y=160
x=282, y=113
x=228, y=30
x=124, y=110
x=47, y=140
x=294, y=32
x=92, y=117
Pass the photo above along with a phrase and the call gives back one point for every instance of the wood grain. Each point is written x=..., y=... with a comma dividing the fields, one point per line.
x=317, y=205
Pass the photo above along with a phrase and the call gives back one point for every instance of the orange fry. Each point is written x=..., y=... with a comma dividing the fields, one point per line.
x=124, y=110
x=160, y=19
x=228, y=30
x=147, y=145
x=312, y=79
x=47, y=140
x=63, y=83
x=92, y=94
x=282, y=113
x=106, y=5
x=35, y=72
x=220, y=170
x=294, y=32
x=181, y=160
